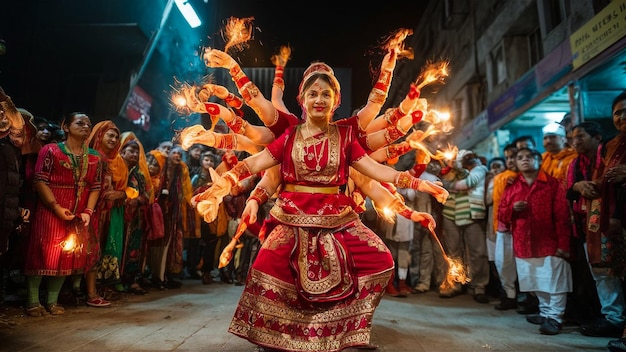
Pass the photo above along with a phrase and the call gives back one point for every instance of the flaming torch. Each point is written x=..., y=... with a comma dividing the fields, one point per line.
x=237, y=32
x=396, y=42
x=431, y=73
x=227, y=253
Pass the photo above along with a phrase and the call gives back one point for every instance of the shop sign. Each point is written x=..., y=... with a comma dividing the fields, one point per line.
x=138, y=108
x=554, y=66
x=604, y=29
x=523, y=91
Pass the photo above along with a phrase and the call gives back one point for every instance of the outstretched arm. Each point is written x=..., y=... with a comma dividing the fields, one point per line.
x=378, y=95
x=196, y=134
x=247, y=89
x=278, y=87
x=408, y=106
x=384, y=173
x=260, y=135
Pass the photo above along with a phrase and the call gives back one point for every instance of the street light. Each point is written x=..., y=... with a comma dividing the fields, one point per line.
x=188, y=12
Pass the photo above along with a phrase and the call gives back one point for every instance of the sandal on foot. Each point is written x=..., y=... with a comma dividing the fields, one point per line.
x=36, y=311
x=98, y=302
x=55, y=309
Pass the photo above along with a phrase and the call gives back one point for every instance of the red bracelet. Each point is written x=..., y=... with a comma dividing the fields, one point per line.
x=405, y=180
x=396, y=150
x=88, y=211
x=260, y=194
x=279, y=71
x=234, y=101
x=394, y=115
x=414, y=92
x=249, y=91
x=377, y=96
x=241, y=82
x=228, y=141
x=238, y=125
x=393, y=133
x=279, y=82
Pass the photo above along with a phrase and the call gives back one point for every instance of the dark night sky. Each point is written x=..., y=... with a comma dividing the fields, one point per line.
x=336, y=32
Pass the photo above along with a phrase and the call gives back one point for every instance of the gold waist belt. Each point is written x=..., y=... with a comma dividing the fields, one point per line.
x=312, y=189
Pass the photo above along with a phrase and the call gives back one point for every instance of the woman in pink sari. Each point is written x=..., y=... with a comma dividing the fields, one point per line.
x=67, y=180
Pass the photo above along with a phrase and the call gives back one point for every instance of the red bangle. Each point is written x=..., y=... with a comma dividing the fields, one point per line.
x=279, y=71
x=260, y=194
x=381, y=86
x=414, y=92
x=396, y=150
x=393, y=133
x=394, y=115
x=234, y=101
x=405, y=180
x=228, y=141
x=240, y=82
x=238, y=125
x=279, y=82
x=88, y=211
x=249, y=91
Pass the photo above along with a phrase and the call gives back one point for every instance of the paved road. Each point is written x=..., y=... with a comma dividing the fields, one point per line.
x=195, y=318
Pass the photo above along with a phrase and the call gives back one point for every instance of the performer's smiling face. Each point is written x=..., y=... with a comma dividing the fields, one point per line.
x=318, y=99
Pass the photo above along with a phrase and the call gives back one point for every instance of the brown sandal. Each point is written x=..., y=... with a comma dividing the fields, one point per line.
x=55, y=309
x=36, y=311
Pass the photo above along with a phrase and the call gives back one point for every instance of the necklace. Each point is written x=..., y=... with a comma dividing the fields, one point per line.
x=79, y=162
x=318, y=158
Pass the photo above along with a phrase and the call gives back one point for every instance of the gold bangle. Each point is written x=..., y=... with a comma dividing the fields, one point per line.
x=377, y=96
x=403, y=180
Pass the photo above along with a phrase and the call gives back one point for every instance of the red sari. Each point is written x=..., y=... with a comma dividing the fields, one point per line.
x=71, y=190
x=320, y=273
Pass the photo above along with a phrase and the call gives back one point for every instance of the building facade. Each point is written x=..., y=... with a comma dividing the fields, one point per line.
x=516, y=65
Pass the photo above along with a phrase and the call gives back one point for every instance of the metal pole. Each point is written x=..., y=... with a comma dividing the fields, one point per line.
x=148, y=55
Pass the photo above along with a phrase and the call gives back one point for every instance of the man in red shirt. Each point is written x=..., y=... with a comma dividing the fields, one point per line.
x=535, y=210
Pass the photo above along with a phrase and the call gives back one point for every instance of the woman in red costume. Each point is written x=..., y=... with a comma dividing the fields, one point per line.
x=67, y=180
x=320, y=273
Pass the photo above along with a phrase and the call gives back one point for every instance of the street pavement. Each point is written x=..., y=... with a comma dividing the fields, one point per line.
x=196, y=317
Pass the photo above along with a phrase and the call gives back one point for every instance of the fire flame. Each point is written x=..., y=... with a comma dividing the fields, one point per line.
x=69, y=244
x=432, y=72
x=450, y=152
x=237, y=32
x=456, y=273
x=442, y=119
x=396, y=42
x=388, y=215
x=207, y=202
x=417, y=141
x=282, y=57
x=178, y=98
